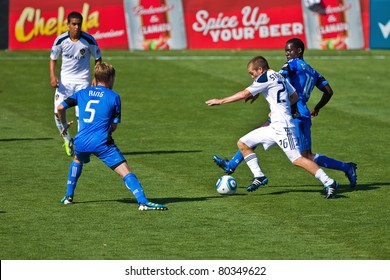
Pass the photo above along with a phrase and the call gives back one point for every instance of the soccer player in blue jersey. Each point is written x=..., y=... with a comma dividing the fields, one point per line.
x=304, y=79
x=76, y=48
x=99, y=115
x=280, y=95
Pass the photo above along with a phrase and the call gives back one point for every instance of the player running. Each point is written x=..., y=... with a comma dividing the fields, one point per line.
x=280, y=95
x=303, y=78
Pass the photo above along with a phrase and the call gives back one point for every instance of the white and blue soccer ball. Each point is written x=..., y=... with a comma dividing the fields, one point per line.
x=226, y=185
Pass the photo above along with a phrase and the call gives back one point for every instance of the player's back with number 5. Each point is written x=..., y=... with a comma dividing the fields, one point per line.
x=99, y=108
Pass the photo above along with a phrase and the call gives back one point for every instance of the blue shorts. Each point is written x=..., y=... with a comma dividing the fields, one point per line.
x=111, y=156
x=303, y=131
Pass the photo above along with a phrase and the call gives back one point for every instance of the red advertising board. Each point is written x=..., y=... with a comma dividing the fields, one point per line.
x=242, y=24
x=190, y=24
x=34, y=24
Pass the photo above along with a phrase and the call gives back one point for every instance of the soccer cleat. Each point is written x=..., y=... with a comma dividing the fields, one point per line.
x=256, y=183
x=331, y=190
x=67, y=200
x=224, y=164
x=351, y=174
x=151, y=206
x=69, y=148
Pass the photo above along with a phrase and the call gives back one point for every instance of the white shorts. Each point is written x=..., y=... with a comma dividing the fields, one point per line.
x=64, y=90
x=268, y=136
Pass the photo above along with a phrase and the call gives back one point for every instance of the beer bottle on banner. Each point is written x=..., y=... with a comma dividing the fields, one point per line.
x=155, y=24
x=333, y=24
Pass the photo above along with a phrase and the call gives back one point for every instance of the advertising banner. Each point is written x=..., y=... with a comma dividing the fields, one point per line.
x=380, y=24
x=202, y=24
x=242, y=24
x=34, y=24
x=155, y=24
x=333, y=24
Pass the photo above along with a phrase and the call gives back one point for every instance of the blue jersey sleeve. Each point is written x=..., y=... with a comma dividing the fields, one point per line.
x=71, y=101
x=117, y=110
x=321, y=82
x=284, y=71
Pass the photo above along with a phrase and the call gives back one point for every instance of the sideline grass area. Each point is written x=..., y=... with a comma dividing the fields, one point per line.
x=169, y=135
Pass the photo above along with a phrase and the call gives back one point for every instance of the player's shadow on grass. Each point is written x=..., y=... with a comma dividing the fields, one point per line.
x=341, y=191
x=179, y=199
x=316, y=189
x=160, y=200
x=24, y=139
x=162, y=152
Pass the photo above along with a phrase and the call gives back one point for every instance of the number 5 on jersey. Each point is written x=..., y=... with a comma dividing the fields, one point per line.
x=89, y=108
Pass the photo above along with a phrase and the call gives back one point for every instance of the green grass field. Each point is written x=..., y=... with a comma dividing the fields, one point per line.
x=169, y=135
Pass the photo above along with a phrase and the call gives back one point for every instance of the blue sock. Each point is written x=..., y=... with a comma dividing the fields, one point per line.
x=135, y=187
x=236, y=160
x=73, y=175
x=331, y=163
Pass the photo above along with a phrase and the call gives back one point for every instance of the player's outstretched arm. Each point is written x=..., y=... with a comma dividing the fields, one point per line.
x=244, y=94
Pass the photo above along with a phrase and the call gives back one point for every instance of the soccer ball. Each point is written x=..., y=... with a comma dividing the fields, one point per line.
x=226, y=185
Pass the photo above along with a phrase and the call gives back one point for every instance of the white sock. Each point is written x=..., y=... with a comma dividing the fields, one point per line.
x=59, y=126
x=253, y=164
x=324, y=178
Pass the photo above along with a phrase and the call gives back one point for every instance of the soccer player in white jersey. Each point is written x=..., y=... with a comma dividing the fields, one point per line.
x=280, y=95
x=76, y=48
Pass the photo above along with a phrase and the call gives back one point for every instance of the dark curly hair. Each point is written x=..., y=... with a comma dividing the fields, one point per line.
x=297, y=43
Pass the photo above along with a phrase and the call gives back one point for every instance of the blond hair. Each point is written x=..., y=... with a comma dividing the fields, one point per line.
x=104, y=73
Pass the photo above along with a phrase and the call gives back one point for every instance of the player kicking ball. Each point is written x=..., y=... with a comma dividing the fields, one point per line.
x=304, y=78
x=99, y=115
x=280, y=95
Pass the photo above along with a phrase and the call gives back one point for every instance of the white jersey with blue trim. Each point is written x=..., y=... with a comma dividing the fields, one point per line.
x=75, y=56
x=276, y=90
